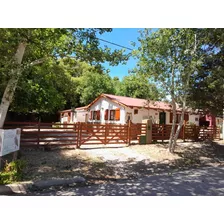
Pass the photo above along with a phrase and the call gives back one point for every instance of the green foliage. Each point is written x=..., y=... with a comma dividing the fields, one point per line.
x=168, y=56
x=138, y=86
x=56, y=125
x=186, y=63
x=51, y=62
x=92, y=84
x=207, y=87
x=116, y=83
x=12, y=172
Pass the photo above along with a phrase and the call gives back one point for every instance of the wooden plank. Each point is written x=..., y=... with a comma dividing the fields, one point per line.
x=50, y=128
x=117, y=143
x=47, y=132
x=58, y=140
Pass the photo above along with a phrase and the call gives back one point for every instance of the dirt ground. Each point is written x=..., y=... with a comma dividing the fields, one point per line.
x=104, y=164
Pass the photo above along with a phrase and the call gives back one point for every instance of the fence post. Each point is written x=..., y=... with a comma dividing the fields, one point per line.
x=38, y=135
x=183, y=131
x=77, y=136
x=149, y=132
x=195, y=133
x=163, y=126
x=129, y=133
x=105, y=136
x=80, y=134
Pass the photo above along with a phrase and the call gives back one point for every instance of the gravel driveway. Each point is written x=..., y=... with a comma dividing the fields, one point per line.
x=106, y=164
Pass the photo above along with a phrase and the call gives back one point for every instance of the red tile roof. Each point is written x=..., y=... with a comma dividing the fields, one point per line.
x=82, y=108
x=136, y=102
x=63, y=111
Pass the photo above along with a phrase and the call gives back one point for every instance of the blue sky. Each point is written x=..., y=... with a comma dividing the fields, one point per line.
x=121, y=36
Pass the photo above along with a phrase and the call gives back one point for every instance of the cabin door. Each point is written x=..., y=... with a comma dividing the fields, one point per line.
x=162, y=118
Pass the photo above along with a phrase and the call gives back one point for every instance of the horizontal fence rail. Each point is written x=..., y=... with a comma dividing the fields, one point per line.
x=162, y=131
x=45, y=134
x=78, y=134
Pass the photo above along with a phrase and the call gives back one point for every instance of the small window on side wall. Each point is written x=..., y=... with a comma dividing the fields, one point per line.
x=112, y=115
x=94, y=115
x=135, y=111
x=196, y=119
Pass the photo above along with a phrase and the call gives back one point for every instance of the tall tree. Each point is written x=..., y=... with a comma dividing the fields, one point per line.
x=117, y=85
x=46, y=88
x=92, y=84
x=207, y=87
x=23, y=48
x=171, y=56
x=138, y=86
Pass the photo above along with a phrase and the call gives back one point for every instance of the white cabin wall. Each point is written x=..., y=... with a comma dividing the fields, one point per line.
x=103, y=104
x=192, y=119
x=142, y=115
x=80, y=116
x=168, y=117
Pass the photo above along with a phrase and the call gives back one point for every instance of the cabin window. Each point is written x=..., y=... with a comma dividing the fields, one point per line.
x=196, y=119
x=95, y=115
x=178, y=116
x=106, y=114
x=135, y=111
x=112, y=115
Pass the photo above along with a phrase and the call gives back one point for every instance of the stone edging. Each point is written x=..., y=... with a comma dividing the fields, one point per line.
x=22, y=187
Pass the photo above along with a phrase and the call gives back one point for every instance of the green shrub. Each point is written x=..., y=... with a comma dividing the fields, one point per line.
x=12, y=172
x=56, y=125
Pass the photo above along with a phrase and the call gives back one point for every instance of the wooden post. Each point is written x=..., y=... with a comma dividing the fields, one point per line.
x=149, y=132
x=183, y=131
x=129, y=133
x=105, y=135
x=195, y=133
x=77, y=135
x=14, y=156
x=38, y=135
x=163, y=126
x=80, y=135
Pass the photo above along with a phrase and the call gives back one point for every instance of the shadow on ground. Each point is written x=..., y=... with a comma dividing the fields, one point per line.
x=53, y=164
x=202, y=182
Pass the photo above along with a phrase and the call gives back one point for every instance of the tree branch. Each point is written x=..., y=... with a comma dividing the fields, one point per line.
x=36, y=62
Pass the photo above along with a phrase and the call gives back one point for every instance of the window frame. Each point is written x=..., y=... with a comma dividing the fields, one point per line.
x=114, y=112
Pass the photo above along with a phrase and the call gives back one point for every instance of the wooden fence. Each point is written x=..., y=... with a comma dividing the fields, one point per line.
x=162, y=132
x=43, y=134
x=191, y=132
x=77, y=134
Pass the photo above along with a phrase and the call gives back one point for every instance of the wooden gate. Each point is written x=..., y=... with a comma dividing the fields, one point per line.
x=35, y=134
x=106, y=134
x=95, y=134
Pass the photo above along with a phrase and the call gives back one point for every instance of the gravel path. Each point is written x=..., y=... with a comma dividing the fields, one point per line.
x=105, y=164
x=116, y=154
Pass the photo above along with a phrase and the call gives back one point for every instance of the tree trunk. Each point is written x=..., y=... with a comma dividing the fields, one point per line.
x=12, y=84
x=172, y=133
x=175, y=137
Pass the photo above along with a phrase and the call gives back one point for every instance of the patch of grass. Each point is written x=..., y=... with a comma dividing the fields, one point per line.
x=12, y=172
